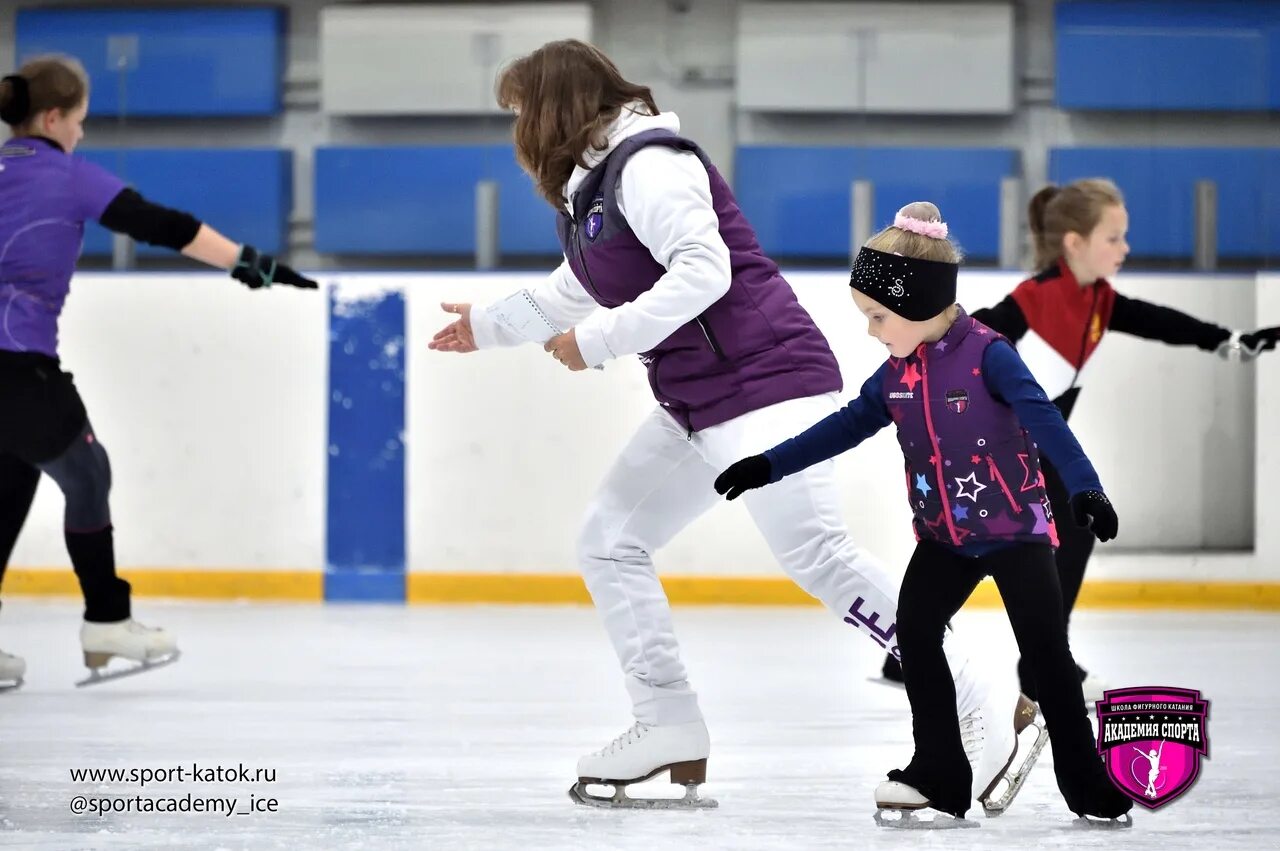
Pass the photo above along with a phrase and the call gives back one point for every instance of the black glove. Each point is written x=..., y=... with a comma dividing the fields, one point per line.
x=1262, y=340
x=256, y=270
x=742, y=476
x=1093, y=510
x=1246, y=347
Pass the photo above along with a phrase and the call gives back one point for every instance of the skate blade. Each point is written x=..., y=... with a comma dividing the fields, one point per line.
x=97, y=676
x=899, y=818
x=1085, y=823
x=992, y=805
x=580, y=794
x=12, y=685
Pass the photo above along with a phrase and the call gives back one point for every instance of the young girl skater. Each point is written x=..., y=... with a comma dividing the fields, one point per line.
x=1059, y=318
x=969, y=419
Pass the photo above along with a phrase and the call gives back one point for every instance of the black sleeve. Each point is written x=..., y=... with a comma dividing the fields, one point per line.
x=134, y=215
x=1154, y=322
x=1005, y=318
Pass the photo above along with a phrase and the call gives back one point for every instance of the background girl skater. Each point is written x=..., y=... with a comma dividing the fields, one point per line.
x=651, y=233
x=46, y=196
x=966, y=411
x=1058, y=319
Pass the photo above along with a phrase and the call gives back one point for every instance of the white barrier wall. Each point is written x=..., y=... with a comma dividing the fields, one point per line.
x=1171, y=431
x=212, y=401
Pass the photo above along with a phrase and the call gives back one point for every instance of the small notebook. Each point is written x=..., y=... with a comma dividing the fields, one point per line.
x=520, y=314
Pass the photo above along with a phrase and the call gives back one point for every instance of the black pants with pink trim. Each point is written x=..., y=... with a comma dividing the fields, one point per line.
x=938, y=581
x=44, y=428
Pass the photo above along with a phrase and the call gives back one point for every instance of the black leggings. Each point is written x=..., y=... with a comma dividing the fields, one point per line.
x=44, y=427
x=938, y=581
x=1075, y=546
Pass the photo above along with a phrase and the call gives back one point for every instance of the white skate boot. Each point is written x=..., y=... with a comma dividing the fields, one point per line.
x=899, y=805
x=991, y=746
x=992, y=736
x=641, y=753
x=12, y=670
x=151, y=647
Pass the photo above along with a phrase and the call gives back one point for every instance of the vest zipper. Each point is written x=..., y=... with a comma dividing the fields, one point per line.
x=937, y=451
x=996, y=477
x=711, y=340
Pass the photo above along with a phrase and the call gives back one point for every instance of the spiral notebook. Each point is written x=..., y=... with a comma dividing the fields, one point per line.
x=520, y=314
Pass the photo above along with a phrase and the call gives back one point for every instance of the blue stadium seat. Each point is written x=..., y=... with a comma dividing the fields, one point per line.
x=246, y=194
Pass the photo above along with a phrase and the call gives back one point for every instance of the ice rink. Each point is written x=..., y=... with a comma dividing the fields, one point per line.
x=458, y=727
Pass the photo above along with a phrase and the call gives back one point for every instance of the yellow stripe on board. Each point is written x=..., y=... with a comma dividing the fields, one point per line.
x=187, y=584
x=546, y=588
x=542, y=588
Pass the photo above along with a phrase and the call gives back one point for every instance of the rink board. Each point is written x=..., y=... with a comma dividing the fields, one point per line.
x=281, y=445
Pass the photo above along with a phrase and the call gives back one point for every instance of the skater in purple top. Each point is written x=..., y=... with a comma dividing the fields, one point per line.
x=46, y=196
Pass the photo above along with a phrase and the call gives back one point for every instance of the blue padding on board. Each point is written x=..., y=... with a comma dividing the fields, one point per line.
x=422, y=200
x=365, y=541
x=798, y=198
x=167, y=61
x=372, y=587
x=246, y=194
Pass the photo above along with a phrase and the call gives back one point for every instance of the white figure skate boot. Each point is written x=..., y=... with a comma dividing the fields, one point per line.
x=640, y=753
x=899, y=805
x=991, y=737
x=150, y=647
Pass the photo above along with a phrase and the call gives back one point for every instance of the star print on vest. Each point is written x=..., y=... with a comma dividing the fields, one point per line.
x=1027, y=478
x=911, y=377
x=975, y=486
x=922, y=484
x=981, y=468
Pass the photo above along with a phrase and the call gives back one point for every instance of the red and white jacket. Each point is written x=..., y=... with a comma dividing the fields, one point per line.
x=1057, y=325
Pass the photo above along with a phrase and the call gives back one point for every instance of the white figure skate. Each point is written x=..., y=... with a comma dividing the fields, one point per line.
x=994, y=747
x=641, y=753
x=901, y=806
x=150, y=647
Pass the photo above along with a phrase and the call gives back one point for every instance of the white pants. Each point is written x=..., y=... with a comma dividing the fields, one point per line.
x=662, y=482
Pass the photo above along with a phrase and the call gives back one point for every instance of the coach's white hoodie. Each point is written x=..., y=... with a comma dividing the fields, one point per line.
x=665, y=196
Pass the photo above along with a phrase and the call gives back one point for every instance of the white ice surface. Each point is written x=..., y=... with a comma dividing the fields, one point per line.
x=458, y=727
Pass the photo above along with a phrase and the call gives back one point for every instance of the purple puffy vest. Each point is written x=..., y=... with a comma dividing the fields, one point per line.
x=753, y=348
x=973, y=474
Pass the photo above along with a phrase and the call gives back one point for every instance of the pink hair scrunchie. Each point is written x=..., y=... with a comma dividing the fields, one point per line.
x=933, y=230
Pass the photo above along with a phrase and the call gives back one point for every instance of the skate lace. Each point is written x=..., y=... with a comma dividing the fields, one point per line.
x=633, y=734
x=972, y=735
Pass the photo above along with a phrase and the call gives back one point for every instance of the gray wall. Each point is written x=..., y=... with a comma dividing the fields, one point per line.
x=684, y=49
